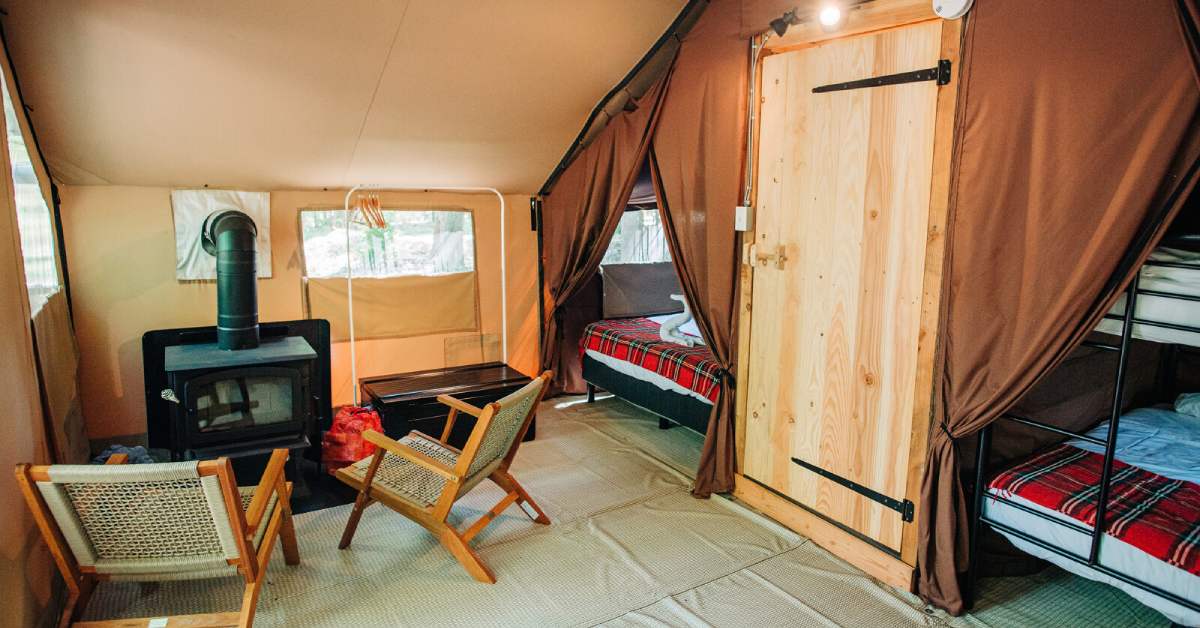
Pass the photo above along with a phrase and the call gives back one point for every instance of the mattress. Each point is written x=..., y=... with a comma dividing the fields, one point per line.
x=632, y=346
x=1154, y=517
x=1163, y=309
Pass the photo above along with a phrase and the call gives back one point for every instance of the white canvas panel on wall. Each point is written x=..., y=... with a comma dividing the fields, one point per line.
x=191, y=207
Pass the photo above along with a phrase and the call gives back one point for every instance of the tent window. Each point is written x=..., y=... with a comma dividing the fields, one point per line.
x=34, y=220
x=413, y=243
x=639, y=239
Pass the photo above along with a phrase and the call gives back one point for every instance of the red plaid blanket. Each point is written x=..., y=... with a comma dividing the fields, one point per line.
x=636, y=340
x=1157, y=515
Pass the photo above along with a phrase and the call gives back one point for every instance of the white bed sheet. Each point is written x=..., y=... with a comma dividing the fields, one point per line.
x=1157, y=440
x=1163, y=309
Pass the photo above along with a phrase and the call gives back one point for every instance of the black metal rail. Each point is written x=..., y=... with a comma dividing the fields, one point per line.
x=903, y=506
x=939, y=73
x=1129, y=320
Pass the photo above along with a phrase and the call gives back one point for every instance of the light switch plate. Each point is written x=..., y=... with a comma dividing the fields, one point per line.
x=742, y=219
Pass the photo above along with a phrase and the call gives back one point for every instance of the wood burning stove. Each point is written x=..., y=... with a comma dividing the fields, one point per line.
x=205, y=402
x=238, y=389
x=223, y=400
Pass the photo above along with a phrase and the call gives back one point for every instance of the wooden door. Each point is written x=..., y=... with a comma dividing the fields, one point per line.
x=839, y=254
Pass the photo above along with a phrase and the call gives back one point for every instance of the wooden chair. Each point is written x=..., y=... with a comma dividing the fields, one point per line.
x=421, y=477
x=154, y=522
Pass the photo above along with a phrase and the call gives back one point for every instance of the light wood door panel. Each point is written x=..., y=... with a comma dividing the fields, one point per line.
x=843, y=194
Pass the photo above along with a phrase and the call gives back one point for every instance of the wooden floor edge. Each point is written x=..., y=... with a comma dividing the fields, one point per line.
x=205, y=620
x=875, y=562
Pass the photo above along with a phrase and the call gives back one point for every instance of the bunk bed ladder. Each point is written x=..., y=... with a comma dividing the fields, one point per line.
x=1110, y=448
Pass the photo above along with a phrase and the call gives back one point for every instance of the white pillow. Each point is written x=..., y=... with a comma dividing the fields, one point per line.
x=1188, y=403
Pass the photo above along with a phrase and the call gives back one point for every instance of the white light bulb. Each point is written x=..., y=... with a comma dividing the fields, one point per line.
x=830, y=16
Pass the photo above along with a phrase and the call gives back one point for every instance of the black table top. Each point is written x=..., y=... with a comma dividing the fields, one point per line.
x=443, y=381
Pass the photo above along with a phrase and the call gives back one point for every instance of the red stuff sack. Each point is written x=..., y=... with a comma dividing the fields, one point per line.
x=344, y=444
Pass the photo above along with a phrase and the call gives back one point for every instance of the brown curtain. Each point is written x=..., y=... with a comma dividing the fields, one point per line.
x=1070, y=159
x=696, y=164
x=57, y=359
x=580, y=215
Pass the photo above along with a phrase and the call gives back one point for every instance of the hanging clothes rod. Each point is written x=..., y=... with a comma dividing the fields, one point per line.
x=350, y=271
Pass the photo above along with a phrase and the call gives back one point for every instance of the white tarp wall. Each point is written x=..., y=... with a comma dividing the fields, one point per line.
x=191, y=207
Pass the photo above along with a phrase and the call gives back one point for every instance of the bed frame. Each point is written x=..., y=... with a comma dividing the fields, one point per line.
x=1092, y=560
x=671, y=407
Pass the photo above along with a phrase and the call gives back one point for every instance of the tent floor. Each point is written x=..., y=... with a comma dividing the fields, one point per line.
x=628, y=546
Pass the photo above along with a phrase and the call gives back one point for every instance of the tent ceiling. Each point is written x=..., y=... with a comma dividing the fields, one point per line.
x=277, y=94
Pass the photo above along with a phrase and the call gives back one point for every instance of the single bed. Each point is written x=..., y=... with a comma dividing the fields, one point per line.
x=627, y=357
x=1153, y=533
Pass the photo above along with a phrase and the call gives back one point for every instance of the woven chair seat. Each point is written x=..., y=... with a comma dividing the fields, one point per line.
x=406, y=480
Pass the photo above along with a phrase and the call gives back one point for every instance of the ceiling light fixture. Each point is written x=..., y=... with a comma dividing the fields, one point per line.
x=781, y=23
x=830, y=17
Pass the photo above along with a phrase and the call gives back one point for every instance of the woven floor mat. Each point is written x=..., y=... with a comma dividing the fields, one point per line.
x=625, y=533
x=628, y=546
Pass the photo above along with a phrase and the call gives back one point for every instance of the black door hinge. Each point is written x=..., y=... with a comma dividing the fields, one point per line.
x=904, y=507
x=940, y=73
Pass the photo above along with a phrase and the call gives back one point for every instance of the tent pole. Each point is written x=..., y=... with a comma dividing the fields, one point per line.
x=350, y=297
x=503, y=267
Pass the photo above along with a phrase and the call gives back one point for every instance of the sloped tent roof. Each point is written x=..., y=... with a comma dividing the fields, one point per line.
x=276, y=94
x=753, y=18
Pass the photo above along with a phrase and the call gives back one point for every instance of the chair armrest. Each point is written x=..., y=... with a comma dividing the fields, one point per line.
x=267, y=485
x=117, y=459
x=410, y=454
x=461, y=406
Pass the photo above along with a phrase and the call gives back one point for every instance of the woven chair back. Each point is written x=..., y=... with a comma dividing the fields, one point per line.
x=149, y=520
x=505, y=425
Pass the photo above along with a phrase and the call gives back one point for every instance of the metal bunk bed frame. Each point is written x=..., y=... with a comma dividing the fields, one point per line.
x=1128, y=319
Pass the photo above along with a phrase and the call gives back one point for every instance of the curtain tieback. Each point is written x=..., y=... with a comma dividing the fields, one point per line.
x=727, y=378
x=946, y=431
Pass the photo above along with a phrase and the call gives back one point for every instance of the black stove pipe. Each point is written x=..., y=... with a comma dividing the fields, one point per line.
x=229, y=235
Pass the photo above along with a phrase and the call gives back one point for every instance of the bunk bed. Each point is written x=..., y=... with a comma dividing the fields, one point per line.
x=1120, y=503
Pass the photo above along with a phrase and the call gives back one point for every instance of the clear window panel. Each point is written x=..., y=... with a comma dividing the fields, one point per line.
x=34, y=220
x=412, y=242
x=639, y=239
